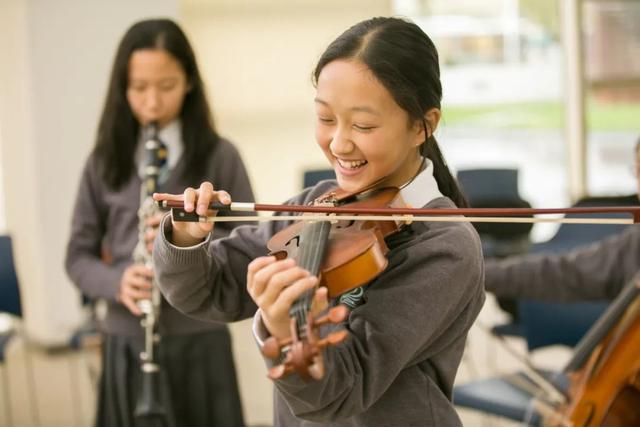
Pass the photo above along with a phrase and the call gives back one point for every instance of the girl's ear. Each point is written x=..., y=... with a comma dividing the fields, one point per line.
x=432, y=119
x=427, y=126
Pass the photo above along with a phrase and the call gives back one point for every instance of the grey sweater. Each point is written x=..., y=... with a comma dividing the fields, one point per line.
x=406, y=338
x=596, y=271
x=107, y=221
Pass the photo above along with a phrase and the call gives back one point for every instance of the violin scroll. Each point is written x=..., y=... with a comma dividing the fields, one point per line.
x=301, y=355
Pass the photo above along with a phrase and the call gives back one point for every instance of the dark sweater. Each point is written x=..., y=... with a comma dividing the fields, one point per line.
x=107, y=221
x=596, y=271
x=406, y=339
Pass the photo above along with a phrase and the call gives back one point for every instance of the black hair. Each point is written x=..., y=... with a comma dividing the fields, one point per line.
x=118, y=129
x=405, y=60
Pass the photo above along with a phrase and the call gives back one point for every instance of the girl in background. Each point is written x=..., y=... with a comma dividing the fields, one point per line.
x=154, y=78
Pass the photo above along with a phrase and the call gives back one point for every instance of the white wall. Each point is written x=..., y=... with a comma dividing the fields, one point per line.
x=257, y=58
x=56, y=56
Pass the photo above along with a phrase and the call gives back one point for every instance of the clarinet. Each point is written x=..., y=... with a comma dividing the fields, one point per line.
x=149, y=404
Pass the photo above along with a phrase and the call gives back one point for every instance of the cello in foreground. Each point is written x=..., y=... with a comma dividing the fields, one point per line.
x=604, y=371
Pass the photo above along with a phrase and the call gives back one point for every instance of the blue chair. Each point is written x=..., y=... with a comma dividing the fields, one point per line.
x=9, y=292
x=543, y=324
x=313, y=176
x=496, y=188
x=10, y=303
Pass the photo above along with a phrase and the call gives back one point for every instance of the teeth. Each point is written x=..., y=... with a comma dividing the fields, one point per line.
x=352, y=164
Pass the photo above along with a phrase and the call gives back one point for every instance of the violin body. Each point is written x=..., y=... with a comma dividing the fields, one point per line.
x=353, y=257
x=355, y=252
x=343, y=255
x=606, y=392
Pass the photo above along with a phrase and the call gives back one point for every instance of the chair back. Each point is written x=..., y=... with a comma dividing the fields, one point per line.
x=545, y=323
x=9, y=291
x=312, y=177
x=496, y=188
x=481, y=185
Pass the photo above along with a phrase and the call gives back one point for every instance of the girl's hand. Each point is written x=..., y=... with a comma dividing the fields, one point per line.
x=152, y=224
x=135, y=285
x=275, y=285
x=192, y=233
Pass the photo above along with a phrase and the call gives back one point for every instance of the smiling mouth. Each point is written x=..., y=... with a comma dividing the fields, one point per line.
x=351, y=164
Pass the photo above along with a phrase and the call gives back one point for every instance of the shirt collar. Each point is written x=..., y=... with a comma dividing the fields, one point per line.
x=422, y=189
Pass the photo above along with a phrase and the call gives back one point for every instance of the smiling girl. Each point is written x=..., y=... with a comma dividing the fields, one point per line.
x=377, y=107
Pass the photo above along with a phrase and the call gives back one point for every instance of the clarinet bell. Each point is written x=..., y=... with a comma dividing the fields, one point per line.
x=149, y=404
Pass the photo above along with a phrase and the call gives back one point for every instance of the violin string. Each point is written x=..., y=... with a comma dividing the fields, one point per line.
x=308, y=239
x=306, y=254
x=312, y=246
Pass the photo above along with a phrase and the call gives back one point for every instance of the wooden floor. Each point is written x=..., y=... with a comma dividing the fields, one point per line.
x=57, y=389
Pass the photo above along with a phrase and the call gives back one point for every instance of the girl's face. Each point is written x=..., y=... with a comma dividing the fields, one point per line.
x=363, y=132
x=156, y=87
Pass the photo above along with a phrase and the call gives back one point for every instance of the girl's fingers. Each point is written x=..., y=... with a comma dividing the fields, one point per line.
x=131, y=305
x=320, y=300
x=137, y=294
x=140, y=282
x=287, y=297
x=150, y=235
x=154, y=220
x=205, y=196
x=189, y=199
x=159, y=197
x=141, y=270
x=279, y=281
x=255, y=266
x=224, y=197
x=261, y=277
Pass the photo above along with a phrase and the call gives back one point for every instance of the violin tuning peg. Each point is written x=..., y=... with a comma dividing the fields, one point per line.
x=271, y=348
x=277, y=372
x=338, y=313
x=335, y=315
x=333, y=338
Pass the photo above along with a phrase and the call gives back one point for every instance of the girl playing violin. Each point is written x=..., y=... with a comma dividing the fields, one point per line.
x=377, y=106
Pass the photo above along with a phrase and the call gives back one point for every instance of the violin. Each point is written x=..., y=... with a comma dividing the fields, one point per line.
x=605, y=369
x=343, y=254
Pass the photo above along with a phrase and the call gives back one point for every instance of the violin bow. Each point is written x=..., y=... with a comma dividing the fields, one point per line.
x=319, y=213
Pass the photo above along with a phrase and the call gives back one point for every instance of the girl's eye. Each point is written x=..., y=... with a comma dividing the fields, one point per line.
x=363, y=128
x=325, y=120
x=167, y=87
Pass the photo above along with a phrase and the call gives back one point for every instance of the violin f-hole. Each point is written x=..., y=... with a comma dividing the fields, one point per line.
x=296, y=239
